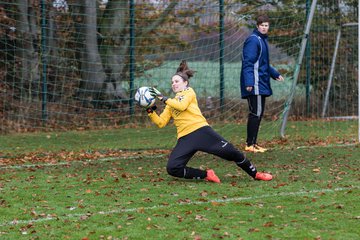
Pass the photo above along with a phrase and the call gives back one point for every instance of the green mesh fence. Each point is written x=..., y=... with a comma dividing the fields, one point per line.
x=66, y=64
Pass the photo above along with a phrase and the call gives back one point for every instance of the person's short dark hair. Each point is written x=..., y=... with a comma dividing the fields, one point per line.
x=261, y=19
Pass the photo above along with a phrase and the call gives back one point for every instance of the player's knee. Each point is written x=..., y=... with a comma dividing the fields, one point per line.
x=175, y=171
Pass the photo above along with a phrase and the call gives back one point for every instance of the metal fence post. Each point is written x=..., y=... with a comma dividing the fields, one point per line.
x=44, y=114
x=221, y=57
x=132, y=56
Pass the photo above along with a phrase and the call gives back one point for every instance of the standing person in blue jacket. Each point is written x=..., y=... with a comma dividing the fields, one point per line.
x=255, y=79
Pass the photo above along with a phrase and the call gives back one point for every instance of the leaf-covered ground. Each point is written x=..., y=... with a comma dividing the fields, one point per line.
x=313, y=195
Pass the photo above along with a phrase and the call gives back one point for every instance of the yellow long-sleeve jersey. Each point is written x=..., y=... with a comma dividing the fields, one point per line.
x=185, y=111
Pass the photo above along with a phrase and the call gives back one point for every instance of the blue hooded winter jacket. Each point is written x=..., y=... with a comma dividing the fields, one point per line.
x=256, y=70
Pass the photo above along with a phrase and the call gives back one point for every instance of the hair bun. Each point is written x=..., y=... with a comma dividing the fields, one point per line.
x=184, y=68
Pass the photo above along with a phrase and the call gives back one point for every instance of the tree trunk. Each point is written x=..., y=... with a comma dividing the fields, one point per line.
x=26, y=38
x=116, y=40
x=115, y=45
x=93, y=75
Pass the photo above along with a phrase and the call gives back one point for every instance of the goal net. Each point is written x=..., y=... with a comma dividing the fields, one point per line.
x=74, y=65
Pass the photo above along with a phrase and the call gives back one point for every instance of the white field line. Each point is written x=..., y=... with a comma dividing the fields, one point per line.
x=155, y=207
x=80, y=161
x=148, y=156
x=330, y=145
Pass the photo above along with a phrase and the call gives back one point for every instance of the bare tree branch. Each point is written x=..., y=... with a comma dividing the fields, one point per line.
x=160, y=20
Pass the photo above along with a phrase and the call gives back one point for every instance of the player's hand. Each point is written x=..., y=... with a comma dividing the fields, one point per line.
x=156, y=93
x=151, y=109
x=280, y=79
x=249, y=89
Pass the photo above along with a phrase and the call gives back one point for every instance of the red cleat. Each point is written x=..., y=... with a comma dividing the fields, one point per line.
x=263, y=176
x=211, y=176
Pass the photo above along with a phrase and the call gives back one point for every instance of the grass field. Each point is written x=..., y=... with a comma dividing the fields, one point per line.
x=206, y=80
x=85, y=185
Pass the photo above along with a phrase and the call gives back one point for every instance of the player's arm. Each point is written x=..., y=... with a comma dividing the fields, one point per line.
x=275, y=74
x=250, y=56
x=162, y=120
x=183, y=104
x=178, y=104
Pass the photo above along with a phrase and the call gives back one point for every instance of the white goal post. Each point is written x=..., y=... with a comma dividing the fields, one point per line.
x=297, y=68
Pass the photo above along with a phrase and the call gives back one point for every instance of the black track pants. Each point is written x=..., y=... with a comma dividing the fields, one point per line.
x=256, y=111
x=206, y=140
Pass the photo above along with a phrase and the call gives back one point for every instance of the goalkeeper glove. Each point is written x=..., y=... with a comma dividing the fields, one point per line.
x=151, y=109
x=156, y=93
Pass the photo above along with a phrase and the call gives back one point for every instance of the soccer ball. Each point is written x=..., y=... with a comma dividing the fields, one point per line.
x=143, y=97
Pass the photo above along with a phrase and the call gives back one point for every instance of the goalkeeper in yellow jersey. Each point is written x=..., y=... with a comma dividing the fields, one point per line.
x=194, y=133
